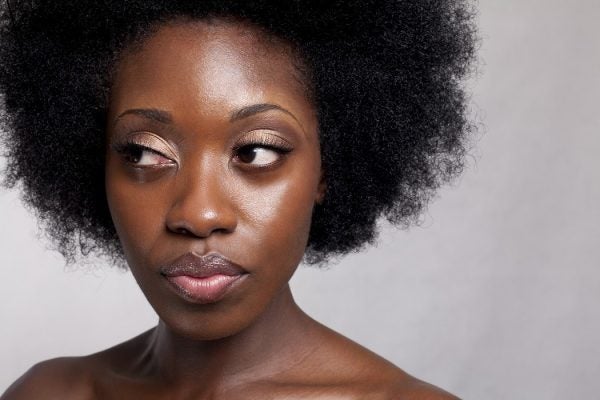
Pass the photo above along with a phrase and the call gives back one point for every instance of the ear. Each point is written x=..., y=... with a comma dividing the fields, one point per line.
x=321, y=189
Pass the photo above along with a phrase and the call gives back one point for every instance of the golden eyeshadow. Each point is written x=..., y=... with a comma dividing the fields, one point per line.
x=265, y=138
x=152, y=141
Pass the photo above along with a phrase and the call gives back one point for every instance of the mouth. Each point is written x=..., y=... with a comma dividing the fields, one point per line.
x=202, y=279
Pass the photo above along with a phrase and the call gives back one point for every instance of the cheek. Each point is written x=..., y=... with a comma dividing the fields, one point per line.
x=273, y=215
x=279, y=216
x=136, y=209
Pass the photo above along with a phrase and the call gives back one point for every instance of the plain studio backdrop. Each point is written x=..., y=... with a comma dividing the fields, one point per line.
x=496, y=295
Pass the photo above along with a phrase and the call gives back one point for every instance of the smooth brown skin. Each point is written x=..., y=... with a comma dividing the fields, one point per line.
x=200, y=195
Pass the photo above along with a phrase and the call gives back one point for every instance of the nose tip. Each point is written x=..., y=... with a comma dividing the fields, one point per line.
x=202, y=211
x=209, y=225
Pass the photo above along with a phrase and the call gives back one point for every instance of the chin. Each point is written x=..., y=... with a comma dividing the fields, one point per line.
x=204, y=329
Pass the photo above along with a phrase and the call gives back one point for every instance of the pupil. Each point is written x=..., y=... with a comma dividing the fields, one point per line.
x=247, y=154
x=135, y=154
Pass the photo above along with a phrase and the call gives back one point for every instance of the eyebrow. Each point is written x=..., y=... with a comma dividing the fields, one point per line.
x=254, y=109
x=154, y=114
x=164, y=117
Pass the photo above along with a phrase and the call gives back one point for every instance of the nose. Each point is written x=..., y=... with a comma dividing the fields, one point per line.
x=203, y=204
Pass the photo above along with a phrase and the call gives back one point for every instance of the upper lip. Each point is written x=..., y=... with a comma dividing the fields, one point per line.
x=201, y=266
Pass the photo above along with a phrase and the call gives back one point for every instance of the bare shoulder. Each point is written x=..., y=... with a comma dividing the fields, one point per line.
x=80, y=378
x=370, y=376
x=60, y=378
x=410, y=388
x=388, y=382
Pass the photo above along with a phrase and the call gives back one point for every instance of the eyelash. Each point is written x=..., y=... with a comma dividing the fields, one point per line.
x=129, y=150
x=277, y=149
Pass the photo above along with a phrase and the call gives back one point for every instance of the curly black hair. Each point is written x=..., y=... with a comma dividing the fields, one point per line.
x=387, y=78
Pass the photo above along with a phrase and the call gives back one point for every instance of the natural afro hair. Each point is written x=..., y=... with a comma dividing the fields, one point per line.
x=387, y=78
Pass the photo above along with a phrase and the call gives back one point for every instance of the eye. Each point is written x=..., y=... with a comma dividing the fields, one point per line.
x=142, y=156
x=143, y=149
x=258, y=155
x=261, y=148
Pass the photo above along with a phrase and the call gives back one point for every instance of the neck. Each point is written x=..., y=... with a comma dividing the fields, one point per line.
x=260, y=350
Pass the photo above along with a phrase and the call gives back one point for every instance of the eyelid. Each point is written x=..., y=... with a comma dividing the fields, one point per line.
x=265, y=138
x=153, y=142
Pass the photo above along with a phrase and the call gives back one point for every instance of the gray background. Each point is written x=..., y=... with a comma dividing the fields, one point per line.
x=494, y=296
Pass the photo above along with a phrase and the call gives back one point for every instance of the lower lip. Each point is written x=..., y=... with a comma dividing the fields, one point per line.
x=203, y=290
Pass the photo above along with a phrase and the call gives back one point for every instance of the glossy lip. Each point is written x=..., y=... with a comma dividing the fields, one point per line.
x=202, y=279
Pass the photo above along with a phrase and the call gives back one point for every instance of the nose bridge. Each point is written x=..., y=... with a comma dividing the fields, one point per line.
x=202, y=204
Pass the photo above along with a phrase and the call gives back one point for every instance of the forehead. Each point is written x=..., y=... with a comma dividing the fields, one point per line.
x=213, y=65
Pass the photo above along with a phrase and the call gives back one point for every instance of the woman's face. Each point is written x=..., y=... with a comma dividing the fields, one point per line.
x=212, y=171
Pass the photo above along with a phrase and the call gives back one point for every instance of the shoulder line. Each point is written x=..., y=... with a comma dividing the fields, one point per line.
x=62, y=378
x=416, y=389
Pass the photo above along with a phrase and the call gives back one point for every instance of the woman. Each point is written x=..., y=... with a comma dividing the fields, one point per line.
x=213, y=145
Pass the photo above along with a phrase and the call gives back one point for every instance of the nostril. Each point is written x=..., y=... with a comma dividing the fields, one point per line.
x=200, y=216
x=180, y=230
x=187, y=231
